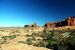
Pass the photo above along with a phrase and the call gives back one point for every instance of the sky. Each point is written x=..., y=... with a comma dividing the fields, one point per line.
x=23, y=12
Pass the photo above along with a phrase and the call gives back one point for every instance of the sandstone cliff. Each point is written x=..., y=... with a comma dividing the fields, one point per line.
x=70, y=21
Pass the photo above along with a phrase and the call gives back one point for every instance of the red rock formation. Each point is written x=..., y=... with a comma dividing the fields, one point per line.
x=70, y=21
x=34, y=25
x=50, y=25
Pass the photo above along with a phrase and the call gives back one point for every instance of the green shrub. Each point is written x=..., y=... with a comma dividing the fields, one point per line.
x=12, y=36
x=17, y=31
x=2, y=41
x=9, y=37
x=41, y=44
x=71, y=42
x=34, y=34
x=27, y=35
x=33, y=38
x=29, y=41
x=22, y=42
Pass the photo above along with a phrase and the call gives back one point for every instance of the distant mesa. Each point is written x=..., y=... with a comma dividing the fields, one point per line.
x=49, y=24
x=26, y=25
x=70, y=21
x=32, y=25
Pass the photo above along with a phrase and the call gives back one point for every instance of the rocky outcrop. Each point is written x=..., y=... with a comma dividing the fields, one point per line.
x=32, y=25
x=50, y=25
x=27, y=26
x=70, y=21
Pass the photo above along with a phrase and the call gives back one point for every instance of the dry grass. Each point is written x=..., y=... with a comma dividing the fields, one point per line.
x=13, y=44
x=20, y=46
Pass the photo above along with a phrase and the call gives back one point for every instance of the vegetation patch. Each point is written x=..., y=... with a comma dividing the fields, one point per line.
x=9, y=37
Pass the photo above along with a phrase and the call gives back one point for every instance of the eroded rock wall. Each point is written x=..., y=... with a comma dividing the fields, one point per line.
x=70, y=21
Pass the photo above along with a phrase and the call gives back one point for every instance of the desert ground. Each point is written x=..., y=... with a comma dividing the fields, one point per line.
x=33, y=38
x=15, y=39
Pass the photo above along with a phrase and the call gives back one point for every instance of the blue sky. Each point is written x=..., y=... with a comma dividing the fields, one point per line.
x=22, y=12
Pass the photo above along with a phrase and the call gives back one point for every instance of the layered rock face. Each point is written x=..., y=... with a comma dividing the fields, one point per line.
x=50, y=25
x=70, y=21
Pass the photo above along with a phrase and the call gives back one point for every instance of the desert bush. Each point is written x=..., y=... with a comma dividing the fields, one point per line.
x=44, y=34
x=17, y=31
x=9, y=37
x=29, y=41
x=2, y=30
x=22, y=42
x=55, y=39
x=12, y=36
x=39, y=34
x=2, y=41
x=66, y=34
x=41, y=44
x=71, y=43
x=27, y=35
x=52, y=43
x=34, y=34
x=33, y=38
